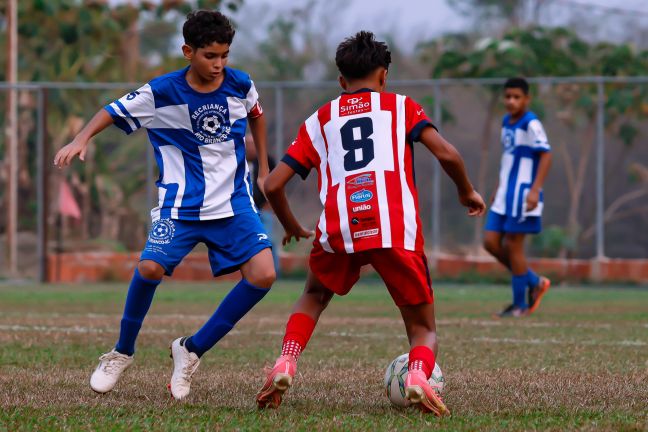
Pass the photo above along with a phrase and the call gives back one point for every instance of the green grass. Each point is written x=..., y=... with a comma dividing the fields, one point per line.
x=579, y=363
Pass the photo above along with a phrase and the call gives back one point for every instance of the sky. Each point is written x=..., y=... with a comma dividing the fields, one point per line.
x=408, y=21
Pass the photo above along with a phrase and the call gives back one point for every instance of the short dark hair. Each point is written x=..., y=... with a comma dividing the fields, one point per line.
x=359, y=55
x=204, y=27
x=517, y=82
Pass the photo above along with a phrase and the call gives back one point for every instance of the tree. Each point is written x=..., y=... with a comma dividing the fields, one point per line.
x=541, y=51
x=90, y=41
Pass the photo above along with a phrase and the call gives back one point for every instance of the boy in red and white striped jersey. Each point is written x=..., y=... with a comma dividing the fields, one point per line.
x=361, y=145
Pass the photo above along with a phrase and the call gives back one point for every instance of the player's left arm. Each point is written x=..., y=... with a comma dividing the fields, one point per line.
x=453, y=164
x=533, y=197
x=540, y=144
x=258, y=128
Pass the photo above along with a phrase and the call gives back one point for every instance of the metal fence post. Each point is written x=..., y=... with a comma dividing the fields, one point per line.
x=279, y=122
x=436, y=185
x=41, y=184
x=600, y=174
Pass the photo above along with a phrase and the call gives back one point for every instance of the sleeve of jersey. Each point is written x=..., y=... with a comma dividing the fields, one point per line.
x=134, y=110
x=415, y=120
x=252, y=105
x=301, y=156
x=539, y=141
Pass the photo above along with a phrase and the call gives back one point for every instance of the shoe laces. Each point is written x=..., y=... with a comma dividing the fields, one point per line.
x=113, y=361
x=189, y=368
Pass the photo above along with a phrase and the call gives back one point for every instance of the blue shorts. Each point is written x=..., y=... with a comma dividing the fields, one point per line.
x=231, y=241
x=508, y=224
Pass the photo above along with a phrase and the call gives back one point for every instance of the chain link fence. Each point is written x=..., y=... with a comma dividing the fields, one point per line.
x=595, y=196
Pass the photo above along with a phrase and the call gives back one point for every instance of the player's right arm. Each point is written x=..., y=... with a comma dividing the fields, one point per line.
x=275, y=190
x=79, y=144
x=130, y=112
x=453, y=165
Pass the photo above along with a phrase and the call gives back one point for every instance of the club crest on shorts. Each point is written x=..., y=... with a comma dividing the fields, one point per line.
x=162, y=231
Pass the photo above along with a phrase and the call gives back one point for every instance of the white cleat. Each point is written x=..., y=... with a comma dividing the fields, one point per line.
x=185, y=364
x=111, y=366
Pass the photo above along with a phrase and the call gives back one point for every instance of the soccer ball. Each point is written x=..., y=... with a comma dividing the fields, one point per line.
x=395, y=380
x=211, y=124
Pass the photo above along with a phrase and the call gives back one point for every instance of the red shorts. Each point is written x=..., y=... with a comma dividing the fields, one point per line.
x=404, y=272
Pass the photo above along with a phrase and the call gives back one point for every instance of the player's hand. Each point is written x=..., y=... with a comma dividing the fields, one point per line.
x=532, y=199
x=474, y=202
x=64, y=156
x=298, y=234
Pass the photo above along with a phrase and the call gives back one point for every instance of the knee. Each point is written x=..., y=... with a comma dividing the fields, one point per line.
x=317, y=292
x=491, y=246
x=262, y=277
x=150, y=270
x=514, y=242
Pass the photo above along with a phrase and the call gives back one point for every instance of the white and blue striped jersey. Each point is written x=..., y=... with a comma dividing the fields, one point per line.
x=522, y=144
x=198, y=139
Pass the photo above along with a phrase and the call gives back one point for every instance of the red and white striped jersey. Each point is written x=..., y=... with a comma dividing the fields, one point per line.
x=361, y=146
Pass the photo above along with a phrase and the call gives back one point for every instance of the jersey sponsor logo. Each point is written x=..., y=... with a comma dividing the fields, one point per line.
x=361, y=208
x=366, y=233
x=162, y=231
x=211, y=123
x=361, y=180
x=355, y=105
x=419, y=112
x=262, y=236
x=361, y=196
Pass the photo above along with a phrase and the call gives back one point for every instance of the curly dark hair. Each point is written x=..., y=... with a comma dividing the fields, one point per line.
x=357, y=56
x=517, y=82
x=204, y=27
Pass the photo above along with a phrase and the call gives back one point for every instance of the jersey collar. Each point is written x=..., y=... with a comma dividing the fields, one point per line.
x=362, y=90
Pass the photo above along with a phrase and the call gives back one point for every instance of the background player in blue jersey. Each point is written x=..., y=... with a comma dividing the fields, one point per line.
x=516, y=208
x=196, y=120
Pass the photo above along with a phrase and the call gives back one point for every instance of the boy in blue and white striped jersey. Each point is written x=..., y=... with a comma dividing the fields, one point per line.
x=516, y=208
x=196, y=119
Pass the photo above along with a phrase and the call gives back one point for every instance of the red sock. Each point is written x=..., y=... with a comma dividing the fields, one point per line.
x=422, y=358
x=299, y=330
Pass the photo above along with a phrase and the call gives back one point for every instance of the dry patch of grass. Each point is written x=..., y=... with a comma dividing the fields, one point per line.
x=552, y=372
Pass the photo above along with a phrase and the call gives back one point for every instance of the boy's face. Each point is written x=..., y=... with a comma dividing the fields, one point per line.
x=208, y=61
x=515, y=101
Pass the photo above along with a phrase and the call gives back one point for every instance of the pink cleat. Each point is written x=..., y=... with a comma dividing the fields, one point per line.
x=422, y=395
x=278, y=381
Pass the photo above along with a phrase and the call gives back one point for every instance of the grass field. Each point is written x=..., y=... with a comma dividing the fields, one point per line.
x=580, y=363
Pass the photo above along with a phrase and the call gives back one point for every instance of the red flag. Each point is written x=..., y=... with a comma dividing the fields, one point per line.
x=67, y=205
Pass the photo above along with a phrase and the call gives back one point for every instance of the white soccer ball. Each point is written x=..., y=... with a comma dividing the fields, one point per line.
x=395, y=380
x=211, y=124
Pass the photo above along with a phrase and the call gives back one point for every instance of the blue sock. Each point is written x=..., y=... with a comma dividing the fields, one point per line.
x=234, y=306
x=532, y=279
x=138, y=300
x=519, y=284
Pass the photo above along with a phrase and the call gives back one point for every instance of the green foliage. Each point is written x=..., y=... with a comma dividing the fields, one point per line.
x=551, y=241
x=628, y=132
x=540, y=51
x=446, y=115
